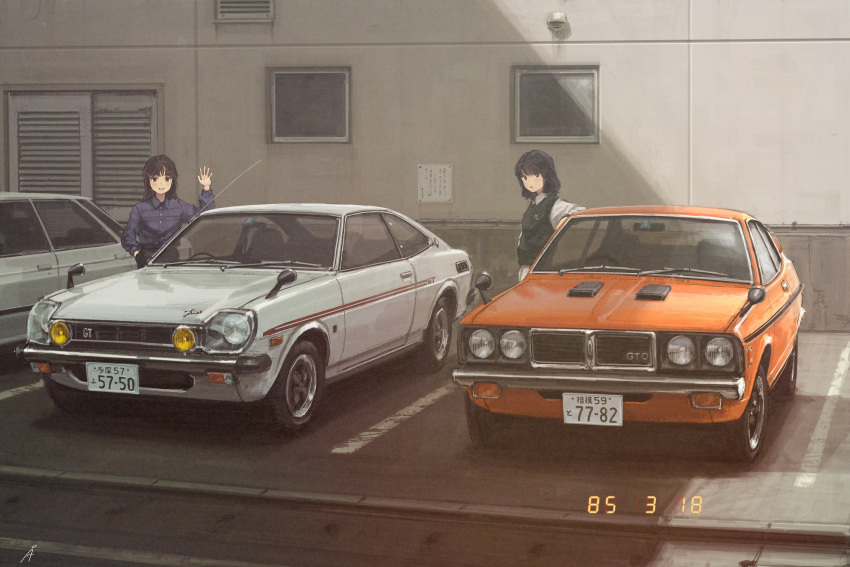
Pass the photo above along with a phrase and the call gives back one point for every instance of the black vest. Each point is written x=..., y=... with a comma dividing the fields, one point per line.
x=536, y=230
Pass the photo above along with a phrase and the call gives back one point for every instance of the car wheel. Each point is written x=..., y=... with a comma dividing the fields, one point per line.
x=437, y=339
x=748, y=433
x=787, y=386
x=485, y=427
x=298, y=390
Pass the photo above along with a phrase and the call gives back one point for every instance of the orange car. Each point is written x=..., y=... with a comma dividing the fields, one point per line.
x=639, y=314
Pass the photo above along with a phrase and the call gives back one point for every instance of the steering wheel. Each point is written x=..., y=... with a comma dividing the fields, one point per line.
x=199, y=254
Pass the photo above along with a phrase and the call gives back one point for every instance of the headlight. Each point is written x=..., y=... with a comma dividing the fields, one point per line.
x=183, y=339
x=719, y=352
x=37, y=323
x=512, y=344
x=229, y=331
x=482, y=344
x=60, y=334
x=681, y=350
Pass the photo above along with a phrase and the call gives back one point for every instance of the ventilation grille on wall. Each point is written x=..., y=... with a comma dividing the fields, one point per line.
x=49, y=152
x=244, y=10
x=121, y=144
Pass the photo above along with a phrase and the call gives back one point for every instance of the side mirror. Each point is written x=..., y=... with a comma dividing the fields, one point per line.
x=286, y=276
x=75, y=270
x=754, y=296
x=482, y=282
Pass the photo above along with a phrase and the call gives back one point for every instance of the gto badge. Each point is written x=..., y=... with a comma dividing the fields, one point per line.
x=188, y=312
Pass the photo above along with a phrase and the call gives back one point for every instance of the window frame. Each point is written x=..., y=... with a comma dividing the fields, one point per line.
x=518, y=71
x=760, y=235
x=274, y=138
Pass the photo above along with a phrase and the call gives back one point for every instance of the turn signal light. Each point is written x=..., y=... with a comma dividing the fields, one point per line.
x=486, y=390
x=706, y=401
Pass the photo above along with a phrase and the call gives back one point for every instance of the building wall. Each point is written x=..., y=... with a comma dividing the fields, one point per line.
x=730, y=103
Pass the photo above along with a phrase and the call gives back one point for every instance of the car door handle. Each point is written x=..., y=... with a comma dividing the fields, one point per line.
x=784, y=285
x=43, y=267
x=405, y=275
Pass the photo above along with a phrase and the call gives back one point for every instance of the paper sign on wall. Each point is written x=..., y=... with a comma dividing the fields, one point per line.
x=435, y=183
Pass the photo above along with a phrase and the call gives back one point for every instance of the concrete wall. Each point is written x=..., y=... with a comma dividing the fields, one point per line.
x=733, y=103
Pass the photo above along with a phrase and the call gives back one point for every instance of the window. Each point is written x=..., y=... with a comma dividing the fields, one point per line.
x=367, y=242
x=93, y=144
x=20, y=231
x=70, y=226
x=310, y=105
x=410, y=240
x=556, y=104
x=766, y=254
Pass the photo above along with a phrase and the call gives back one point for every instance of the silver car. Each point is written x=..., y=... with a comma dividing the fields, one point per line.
x=43, y=235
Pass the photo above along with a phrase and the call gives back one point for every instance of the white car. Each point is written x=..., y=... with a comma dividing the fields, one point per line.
x=43, y=235
x=255, y=304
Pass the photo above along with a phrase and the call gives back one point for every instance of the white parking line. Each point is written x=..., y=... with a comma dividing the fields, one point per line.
x=22, y=390
x=35, y=548
x=814, y=454
x=376, y=431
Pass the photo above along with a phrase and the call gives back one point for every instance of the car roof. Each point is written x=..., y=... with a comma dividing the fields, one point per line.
x=669, y=210
x=318, y=208
x=16, y=196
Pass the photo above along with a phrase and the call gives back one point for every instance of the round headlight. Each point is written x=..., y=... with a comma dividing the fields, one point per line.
x=719, y=351
x=183, y=339
x=513, y=344
x=681, y=350
x=235, y=329
x=60, y=333
x=482, y=344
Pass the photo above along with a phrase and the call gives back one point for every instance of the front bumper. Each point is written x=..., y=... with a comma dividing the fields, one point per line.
x=730, y=388
x=241, y=367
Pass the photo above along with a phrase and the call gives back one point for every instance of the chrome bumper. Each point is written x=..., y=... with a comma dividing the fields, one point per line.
x=731, y=388
x=187, y=363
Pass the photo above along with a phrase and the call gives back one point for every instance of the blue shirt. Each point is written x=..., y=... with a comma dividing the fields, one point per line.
x=153, y=223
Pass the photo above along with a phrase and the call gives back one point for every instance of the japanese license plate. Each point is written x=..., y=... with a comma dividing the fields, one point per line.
x=593, y=409
x=121, y=378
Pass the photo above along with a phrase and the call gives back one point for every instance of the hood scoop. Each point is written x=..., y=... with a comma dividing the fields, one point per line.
x=585, y=289
x=653, y=292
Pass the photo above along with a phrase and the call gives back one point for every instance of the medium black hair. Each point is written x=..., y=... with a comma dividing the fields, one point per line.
x=536, y=162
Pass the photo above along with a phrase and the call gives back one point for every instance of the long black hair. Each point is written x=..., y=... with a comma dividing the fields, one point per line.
x=160, y=165
x=536, y=162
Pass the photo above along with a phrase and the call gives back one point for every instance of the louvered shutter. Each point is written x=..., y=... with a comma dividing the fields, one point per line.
x=123, y=138
x=50, y=143
x=245, y=10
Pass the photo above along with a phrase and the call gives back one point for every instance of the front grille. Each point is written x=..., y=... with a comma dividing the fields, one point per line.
x=97, y=333
x=593, y=349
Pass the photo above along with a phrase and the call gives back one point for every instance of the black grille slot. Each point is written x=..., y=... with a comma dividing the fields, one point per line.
x=160, y=379
x=558, y=348
x=121, y=333
x=623, y=350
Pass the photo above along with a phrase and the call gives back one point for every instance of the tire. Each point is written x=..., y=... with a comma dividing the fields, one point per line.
x=298, y=391
x=485, y=427
x=787, y=386
x=437, y=340
x=746, y=436
x=68, y=400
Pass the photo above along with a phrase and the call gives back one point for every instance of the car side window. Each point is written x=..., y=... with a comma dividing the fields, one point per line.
x=70, y=226
x=20, y=231
x=411, y=240
x=367, y=242
x=766, y=254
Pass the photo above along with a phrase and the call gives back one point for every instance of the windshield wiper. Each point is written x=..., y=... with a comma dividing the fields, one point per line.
x=694, y=271
x=563, y=271
x=197, y=261
x=273, y=263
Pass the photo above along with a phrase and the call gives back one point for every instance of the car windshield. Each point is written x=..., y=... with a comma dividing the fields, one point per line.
x=256, y=240
x=649, y=245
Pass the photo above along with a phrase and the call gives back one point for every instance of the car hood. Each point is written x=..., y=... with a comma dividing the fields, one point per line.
x=543, y=301
x=171, y=294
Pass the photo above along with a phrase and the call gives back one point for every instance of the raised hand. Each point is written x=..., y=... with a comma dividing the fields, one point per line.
x=204, y=177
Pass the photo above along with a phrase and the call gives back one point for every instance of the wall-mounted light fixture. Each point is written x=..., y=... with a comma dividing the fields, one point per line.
x=557, y=21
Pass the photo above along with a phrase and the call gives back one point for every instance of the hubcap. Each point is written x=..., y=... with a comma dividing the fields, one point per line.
x=441, y=334
x=755, y=415
x=301, y=385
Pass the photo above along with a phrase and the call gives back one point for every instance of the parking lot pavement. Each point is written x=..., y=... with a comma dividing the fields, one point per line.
x=418, y=457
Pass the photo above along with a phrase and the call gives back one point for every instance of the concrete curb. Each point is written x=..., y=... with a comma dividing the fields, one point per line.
x=700, y=529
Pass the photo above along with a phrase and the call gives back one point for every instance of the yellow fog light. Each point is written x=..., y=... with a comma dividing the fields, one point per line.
x=60, y=333
x=183, y=339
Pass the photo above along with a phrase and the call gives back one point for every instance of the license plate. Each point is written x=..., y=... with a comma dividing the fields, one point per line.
x=121, y=378
x=593, y=409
